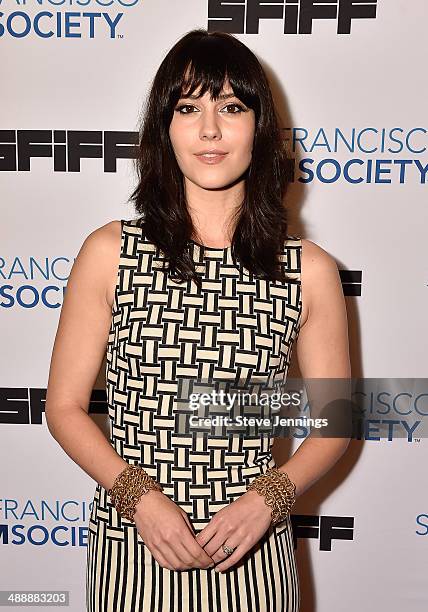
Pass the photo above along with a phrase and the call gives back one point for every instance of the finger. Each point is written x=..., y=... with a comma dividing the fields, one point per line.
x=183, y=551
x=192, y=555
x=207, y=533
x=173, y=551
x=189, y=524
x=230, y=560
x=213, y=547
x=218, y=554
x=161, y=558
x=200, y=556
x=195, y=550
x=177, y=556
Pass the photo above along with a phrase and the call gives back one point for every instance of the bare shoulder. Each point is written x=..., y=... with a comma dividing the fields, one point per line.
x=85, y=318
x=100, y=254
x=319, y=276
x=105, y=236
x=323, y=343
x=315, y=259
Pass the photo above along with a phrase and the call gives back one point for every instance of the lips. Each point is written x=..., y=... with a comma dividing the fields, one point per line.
x=211, y=154
x=216, y=151
x=211, y=157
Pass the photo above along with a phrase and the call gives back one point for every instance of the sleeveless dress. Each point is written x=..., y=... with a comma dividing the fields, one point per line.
x=163, y=332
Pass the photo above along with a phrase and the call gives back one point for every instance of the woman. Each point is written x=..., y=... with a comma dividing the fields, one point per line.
x=182, y=521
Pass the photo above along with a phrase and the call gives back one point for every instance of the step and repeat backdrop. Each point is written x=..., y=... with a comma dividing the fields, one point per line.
x=349, y=80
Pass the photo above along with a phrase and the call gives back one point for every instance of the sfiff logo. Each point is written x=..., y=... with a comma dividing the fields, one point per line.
x=298, y=16
x=66, y=148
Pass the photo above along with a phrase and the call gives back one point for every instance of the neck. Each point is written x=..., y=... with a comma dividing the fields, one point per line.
x=213, y=212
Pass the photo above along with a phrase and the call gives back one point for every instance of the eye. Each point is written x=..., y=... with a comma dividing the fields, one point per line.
x=238, y=106
x=181, y=107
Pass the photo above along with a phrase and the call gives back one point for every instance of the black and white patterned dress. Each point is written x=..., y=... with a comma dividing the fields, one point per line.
x=162, y=333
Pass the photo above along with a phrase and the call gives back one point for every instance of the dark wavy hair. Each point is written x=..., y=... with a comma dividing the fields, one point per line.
x=260, y=222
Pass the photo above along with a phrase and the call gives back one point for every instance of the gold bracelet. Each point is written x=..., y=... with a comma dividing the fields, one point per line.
x=128, y=488
x=278, y=490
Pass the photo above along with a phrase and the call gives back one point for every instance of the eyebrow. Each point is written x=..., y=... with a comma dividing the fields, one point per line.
x=224, y=96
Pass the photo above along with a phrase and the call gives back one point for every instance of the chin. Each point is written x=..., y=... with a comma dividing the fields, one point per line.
x=213, y=184
x=215, y=181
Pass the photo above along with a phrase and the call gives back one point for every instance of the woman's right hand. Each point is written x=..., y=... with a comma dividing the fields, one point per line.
x=168, y=533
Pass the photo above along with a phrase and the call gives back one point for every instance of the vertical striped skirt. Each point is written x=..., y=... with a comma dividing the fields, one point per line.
x=122, y=574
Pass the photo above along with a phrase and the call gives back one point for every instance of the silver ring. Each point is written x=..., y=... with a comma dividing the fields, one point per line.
x=227, y=549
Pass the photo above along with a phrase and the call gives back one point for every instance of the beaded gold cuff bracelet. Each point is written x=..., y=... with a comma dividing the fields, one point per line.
x=278, y=490
x=128, y=488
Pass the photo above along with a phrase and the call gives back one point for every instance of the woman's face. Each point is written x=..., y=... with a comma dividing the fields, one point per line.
x=202, y=125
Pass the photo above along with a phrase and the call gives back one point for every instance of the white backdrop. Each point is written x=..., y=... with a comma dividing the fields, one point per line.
x=365, y=203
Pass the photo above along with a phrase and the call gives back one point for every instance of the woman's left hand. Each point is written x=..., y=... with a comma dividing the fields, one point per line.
x=239, y=525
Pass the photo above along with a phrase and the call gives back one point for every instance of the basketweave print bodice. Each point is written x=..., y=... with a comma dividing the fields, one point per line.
x=164, y=332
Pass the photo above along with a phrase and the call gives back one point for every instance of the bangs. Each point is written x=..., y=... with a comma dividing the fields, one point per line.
x=215, y=65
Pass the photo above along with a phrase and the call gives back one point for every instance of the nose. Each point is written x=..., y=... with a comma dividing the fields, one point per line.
x=209, y=127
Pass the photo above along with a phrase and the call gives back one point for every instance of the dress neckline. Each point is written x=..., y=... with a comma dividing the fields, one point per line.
x=207, y=248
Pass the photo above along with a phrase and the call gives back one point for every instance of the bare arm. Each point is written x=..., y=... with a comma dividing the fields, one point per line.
x=78, y=352
x=323, y=352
